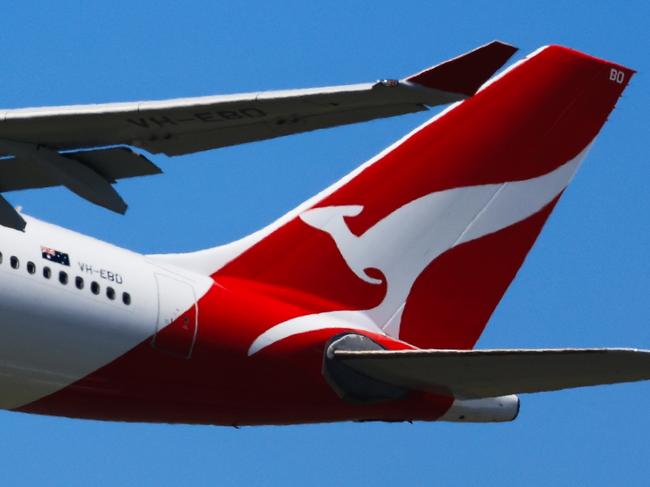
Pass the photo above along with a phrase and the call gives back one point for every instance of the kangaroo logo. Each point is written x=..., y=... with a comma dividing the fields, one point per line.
x=405, y=242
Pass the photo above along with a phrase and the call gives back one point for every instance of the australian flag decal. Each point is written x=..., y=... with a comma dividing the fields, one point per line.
x=55, y=256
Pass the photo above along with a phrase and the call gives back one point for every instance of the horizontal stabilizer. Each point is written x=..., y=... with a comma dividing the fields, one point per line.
x=489, y=373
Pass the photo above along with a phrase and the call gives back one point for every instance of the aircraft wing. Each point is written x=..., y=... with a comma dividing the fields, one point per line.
x=68, y=145
x=490, y=373
x=182, y=126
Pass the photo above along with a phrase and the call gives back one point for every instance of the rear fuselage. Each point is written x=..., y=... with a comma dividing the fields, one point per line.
x=95, y=331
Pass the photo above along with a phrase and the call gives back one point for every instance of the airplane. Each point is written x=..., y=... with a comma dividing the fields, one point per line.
x=364, y=303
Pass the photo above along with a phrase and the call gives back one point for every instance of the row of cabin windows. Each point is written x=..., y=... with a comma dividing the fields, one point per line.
x=79, y=283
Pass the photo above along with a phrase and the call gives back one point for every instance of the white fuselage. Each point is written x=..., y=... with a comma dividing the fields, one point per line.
x=53, y=332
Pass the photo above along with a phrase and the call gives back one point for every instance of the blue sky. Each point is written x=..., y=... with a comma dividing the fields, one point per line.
x=584, y=284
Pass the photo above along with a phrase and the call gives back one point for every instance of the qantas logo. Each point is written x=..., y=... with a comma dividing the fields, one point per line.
x=400, y=246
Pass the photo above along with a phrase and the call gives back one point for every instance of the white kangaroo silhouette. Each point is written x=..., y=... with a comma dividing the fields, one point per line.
x=406, y=241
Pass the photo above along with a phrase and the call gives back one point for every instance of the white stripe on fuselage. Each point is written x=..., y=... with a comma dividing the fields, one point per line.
x=406, y=241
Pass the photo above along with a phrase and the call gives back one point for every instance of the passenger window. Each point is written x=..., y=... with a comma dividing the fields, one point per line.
x=110, y=292
x=47, y=272
x=63, y=277
x=94, y=287
x=15, y=263
x=79, y=282
x=31, y=267
x=126, y=298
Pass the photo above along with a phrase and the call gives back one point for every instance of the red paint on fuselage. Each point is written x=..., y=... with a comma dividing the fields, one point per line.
x=220, y=383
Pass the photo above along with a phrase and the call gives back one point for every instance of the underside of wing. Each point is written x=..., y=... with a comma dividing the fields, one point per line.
x=186, y=142
x=489, y=373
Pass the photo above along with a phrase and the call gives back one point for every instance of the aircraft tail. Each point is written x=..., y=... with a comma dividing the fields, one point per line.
x=422, y=241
